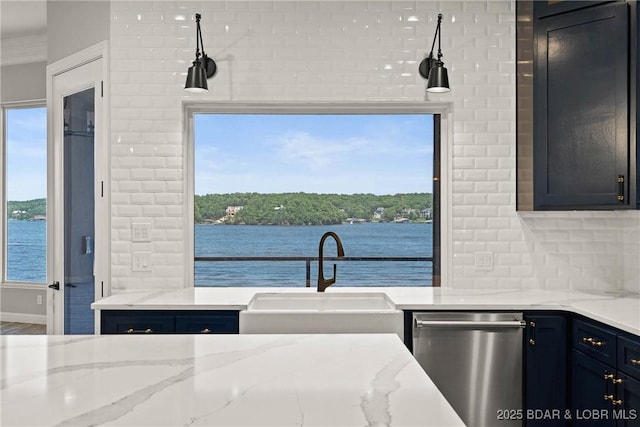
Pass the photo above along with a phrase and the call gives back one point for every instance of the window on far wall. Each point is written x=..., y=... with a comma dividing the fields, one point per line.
x=25, y=192
x=267, y=186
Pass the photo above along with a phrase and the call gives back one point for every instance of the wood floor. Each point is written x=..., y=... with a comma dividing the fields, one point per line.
x=13, y=328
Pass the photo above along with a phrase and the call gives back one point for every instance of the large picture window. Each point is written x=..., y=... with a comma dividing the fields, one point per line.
x=268, y=186
x=25, y=192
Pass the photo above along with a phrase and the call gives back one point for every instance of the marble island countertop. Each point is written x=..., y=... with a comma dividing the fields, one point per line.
x=618, y=309
x=216, y=380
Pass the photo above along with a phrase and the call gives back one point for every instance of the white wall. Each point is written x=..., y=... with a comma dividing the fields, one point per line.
x=23, y=82
x=74, y=25
x=346, y=51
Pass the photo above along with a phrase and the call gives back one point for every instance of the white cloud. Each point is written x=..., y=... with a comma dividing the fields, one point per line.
x=303, y=148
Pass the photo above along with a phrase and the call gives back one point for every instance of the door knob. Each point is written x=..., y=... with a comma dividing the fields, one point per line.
x=55, y=285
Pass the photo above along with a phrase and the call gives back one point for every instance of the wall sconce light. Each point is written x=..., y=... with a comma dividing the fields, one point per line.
x=202, y=69
x=433, y=69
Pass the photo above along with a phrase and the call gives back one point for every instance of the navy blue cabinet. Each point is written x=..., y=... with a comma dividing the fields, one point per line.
x=605, y=375
x=169, y=322
x=209, y=322
x=593, y=391
x=554, y=7
x=581, y=144
x=629, y=393
x=545, y=367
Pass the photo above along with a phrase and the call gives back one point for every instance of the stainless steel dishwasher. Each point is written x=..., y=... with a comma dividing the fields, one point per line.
x=475, y=360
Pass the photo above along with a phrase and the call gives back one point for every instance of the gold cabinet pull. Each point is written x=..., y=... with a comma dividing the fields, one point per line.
x=616, y=380
x=205, y=331
x=620, y=188
x=616, y=402
x=608, y=376
x=532, y=340
x=635, y=362
x=592, y=341
x=140, y=331
x=608, y=397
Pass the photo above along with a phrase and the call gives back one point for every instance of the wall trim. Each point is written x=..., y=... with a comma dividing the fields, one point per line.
x=102, y=172
x=40, y=319
x=445, y=109
x=23, y=285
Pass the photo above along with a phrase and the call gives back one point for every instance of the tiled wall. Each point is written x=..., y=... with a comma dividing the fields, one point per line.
x=346, y=51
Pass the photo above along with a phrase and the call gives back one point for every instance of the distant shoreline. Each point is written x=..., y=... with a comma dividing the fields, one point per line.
x=312, y=225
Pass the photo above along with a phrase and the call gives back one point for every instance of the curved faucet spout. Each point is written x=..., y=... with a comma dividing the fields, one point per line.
x=322, y=282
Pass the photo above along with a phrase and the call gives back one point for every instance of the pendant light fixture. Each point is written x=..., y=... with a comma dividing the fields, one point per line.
x=203, y=68
x=433, y=69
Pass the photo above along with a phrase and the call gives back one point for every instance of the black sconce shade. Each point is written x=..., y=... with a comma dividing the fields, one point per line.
x=196, y=78
x=438, y=79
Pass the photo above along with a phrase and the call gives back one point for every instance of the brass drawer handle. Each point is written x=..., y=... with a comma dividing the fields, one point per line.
x=205, y=331
x=616, y=402
x=608, y=376
x=592, y=341
x=635, y=362
x=608, y=397
x=140, y=331
x=617, y=380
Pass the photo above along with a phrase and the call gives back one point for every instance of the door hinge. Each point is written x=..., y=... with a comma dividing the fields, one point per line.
x=101, y=88
x=101, y=289
x=101, y=188
x=620, y=188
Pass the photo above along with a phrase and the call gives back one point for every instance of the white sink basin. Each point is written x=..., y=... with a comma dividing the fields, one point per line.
x=318, y=301
x=306, y=313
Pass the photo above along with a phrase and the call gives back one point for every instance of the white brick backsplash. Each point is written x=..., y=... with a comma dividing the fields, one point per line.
x=314, y=51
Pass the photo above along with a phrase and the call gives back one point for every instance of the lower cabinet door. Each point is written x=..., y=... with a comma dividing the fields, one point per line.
x=545, y=370
x=593, y=392
x=210, y=322
x=628, y=412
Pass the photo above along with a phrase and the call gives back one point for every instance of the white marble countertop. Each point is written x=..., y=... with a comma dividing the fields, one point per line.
x=216, y=380
x=618, y=309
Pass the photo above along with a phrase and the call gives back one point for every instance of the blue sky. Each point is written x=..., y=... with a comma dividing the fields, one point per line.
x=26, y=153
x=345, y=154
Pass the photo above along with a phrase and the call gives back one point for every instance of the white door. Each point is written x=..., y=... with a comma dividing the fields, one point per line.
x=75, y=194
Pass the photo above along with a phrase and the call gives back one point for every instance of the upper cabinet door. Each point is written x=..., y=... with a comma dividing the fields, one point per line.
x=554, y=7
x=581, y=100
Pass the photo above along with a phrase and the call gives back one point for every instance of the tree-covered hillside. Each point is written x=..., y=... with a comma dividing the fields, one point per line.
x=310, y=208
x=283, y=208
x=27, y=209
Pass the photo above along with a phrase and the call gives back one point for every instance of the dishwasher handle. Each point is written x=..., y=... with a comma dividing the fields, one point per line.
x=470, y=324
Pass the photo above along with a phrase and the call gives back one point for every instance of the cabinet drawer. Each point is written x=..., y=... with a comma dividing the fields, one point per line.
x=595, y=341
x=629, y=356
x=137, y=323
x=212, y=322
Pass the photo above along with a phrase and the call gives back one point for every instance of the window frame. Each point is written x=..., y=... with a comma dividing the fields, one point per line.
x=4, y=107
x=442, y=127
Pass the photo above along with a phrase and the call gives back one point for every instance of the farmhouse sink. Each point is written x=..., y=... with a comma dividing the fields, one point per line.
x=304, y=313
x=317, y=301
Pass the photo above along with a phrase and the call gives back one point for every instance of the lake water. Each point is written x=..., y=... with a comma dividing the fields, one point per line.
x=27, y=254
x=27, y=251
x=359, y=240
